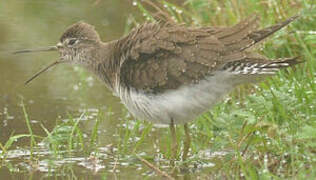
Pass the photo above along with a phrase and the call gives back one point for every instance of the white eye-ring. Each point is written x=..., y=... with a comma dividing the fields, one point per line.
x=72, y=41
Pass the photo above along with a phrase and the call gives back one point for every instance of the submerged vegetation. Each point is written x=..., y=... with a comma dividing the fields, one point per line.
x=265, y=131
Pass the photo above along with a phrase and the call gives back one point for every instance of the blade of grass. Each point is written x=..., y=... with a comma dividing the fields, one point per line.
x=74, y=128
x=29, y=127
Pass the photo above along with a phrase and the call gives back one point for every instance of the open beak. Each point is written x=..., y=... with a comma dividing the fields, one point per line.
x=50, y=48
x=43, y=70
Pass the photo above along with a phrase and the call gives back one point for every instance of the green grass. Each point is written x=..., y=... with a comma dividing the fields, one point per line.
x=265, y=131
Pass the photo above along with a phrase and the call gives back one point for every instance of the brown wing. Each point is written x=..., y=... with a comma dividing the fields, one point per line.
x=159, y=57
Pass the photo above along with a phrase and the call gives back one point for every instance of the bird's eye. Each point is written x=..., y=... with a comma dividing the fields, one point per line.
x=72, y=41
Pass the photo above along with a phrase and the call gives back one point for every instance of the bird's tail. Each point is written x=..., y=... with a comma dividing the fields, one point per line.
x=272, y=67
x=253, y=71
x=260, y=67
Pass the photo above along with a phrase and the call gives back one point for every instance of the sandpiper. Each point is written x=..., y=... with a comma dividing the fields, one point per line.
x=168, y=73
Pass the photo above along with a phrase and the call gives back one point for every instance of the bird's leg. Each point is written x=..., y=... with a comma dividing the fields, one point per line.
x=187, y=142
x=174, y=144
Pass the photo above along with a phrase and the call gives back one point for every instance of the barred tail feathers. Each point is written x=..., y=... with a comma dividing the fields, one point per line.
x=260, y=68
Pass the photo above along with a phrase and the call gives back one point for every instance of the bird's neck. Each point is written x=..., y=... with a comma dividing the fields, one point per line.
x=106, y=64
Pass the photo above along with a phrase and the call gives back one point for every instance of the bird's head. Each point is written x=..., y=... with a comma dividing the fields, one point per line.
x=76, y=43
x=76, y=46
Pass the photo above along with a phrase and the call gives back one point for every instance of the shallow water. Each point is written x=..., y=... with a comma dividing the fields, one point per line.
x=64, y=89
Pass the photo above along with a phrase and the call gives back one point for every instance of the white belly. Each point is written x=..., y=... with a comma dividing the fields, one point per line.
x=181, y=105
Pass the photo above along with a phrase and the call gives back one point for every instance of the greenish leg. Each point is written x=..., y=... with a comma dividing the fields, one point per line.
x=174, y=144
x=187, y=142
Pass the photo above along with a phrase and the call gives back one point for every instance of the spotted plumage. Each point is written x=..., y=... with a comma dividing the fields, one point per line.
x=158, y=57
x=170, y=73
